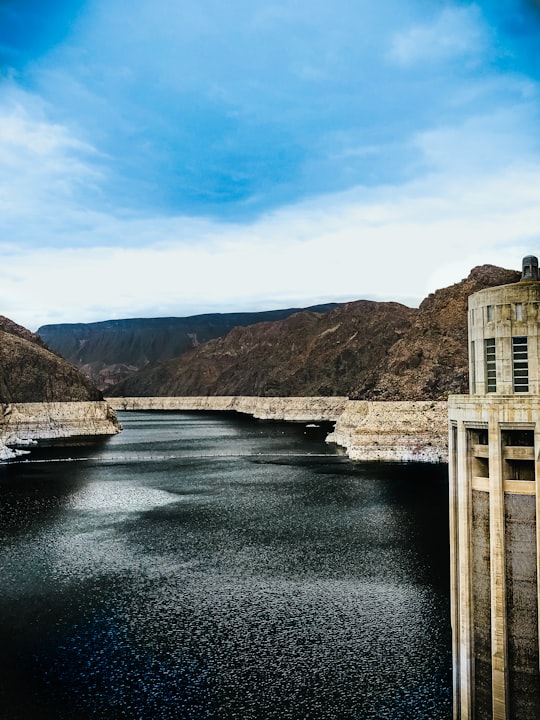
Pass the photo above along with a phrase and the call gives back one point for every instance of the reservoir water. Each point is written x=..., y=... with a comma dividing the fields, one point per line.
x=206, y=566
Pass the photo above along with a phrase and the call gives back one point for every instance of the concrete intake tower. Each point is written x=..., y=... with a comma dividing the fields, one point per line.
x=494, y=465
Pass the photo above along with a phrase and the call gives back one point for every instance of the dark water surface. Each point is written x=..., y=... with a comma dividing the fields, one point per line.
x=209, y=566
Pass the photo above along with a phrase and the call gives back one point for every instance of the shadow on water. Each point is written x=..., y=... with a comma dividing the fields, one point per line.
x=35, y=488
x=258, y=582
x=35, y=491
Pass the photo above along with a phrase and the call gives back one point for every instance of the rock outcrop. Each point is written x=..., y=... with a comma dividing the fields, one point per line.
x=12, y=328
x=42, y=395
x=431, y=360
x=364, y=350
x=393, y=431
x=369, y=431
x=29, y=372
x=290, y=409
x=55, y=420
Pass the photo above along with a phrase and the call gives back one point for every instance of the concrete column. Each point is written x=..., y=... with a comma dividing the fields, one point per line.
x=453, y=450
x=498, y=571
x=462, y=593
x=536, y=486
x=505, y=376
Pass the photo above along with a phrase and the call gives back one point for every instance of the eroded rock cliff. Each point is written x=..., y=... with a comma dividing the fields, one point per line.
x=393, y=431
x=42, y=395
x=31, y=373
x=368, y=430
x=56, y=419
x=290, y=409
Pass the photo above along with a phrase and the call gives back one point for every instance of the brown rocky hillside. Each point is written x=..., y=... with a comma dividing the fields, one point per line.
x=431, y=361
x=31, y=373
x=366, y=350
x=109, y=351
x=307, y=354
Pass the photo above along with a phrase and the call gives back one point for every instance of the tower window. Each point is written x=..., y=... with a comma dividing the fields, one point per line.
x=473, y=367
x=489, y=313
x=491, y=368
x=519, y=311
x=520, y=361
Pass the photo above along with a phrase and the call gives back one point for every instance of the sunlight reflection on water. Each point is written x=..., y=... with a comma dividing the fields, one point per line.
x=112, y=497
x=256, y=586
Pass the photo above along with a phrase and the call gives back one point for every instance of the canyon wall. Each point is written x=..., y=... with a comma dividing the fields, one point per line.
x=36, y=420
x=365, y=350
x=109, y=351
x=393, y=431
x=368, y=430
x=291, y=409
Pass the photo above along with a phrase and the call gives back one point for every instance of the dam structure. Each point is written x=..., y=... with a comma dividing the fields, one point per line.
x=494, y=455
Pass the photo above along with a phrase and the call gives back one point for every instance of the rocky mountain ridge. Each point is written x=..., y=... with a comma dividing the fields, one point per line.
x=364, y=350
x=29, y=372
x=109, y=351
x=431, y=361
x=308, y=353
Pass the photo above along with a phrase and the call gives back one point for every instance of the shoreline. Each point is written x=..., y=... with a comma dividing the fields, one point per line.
x=385, y=431
x=389, y=431
x=23, y=423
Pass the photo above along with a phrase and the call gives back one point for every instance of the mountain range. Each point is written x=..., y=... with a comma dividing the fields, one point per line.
x=110, y=351
x=363, y=349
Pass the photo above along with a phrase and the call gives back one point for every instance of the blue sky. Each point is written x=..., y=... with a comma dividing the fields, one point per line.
x=175, y=157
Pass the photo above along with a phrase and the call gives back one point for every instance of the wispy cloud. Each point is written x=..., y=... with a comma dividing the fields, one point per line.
x=386, y=243
x=44, y=169
x=166, y=158
x=457, y=33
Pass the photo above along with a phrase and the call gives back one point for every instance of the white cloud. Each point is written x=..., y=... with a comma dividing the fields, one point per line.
x=482, y=142
x=66, y=259
x=456, y=32
x=392, y=243
x=41, y=163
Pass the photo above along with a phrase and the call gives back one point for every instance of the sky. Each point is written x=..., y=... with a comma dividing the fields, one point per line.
x=175, y=157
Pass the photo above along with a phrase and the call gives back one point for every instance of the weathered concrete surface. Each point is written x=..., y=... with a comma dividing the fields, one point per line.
x=393, y=431
x=389, y=431
x=54, y=419
x=292, y=409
